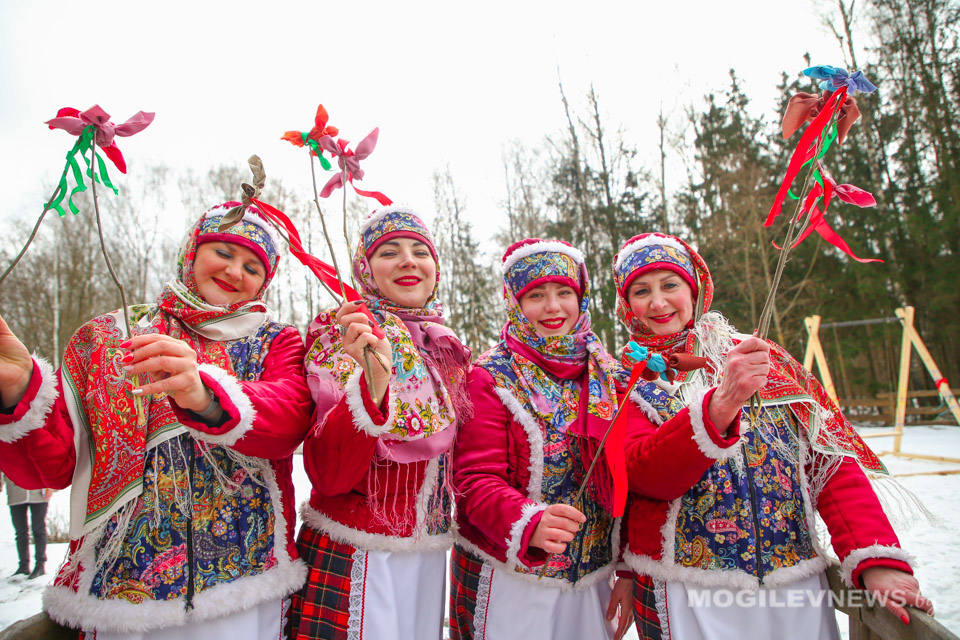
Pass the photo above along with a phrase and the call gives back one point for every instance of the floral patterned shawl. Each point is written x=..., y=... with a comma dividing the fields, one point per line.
x=112, y=436
x=426, y=389
x=788, y=383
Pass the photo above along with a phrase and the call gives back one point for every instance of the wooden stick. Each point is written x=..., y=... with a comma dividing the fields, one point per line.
x=593, y=463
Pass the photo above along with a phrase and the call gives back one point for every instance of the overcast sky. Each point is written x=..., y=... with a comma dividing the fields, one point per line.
x=446, y=82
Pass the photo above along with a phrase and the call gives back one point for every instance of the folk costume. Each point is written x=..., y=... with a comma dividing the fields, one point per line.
x=703, y=507
x=539, y=403
x=177, y=526
x=377, y=525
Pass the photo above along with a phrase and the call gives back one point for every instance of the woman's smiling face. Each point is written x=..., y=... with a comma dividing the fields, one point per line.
x=226, y=273
x=404, y=271
x=552, y=308
x=662, y=300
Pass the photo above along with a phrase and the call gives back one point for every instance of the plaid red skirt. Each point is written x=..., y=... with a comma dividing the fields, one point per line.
x=321, y=609
x=645, y=608
x=464, y=581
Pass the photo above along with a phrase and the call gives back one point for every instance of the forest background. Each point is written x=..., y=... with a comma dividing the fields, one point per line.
x=585, y=183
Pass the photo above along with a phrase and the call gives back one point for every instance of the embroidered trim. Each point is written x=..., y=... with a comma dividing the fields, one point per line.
x=232, y=388
x=648, y=241
x=660, y=598
x=371, y=541
x=483, y=601
x=850, y=563
x=40, y=406
x=646, y=407
x=705, y=443
x=527, y=513
x=540, y=247
x=534, y=438
x=358, y=580
x=362, y=419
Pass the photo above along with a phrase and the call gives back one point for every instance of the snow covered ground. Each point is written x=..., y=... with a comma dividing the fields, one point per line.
x=937, y=547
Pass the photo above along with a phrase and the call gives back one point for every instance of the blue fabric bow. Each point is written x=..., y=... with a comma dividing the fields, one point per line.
x=836, y=77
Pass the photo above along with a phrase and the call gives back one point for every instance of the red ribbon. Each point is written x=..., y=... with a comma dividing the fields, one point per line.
x=615, y=448
x=804, y=151
x=326, y=273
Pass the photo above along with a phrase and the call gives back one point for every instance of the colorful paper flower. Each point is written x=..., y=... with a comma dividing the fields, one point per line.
x=835, y=77
x=349, y=162
x=805, y=107
x=312, y=137
x=74, y=122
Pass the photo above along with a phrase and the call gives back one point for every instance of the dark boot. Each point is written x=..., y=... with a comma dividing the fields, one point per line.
x=18, y=514
x=37, y=571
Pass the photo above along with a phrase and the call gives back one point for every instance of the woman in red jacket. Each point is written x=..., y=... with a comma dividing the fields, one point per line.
x=377, y=526
x=721, y=533
x=177, y=440
x=543, y=397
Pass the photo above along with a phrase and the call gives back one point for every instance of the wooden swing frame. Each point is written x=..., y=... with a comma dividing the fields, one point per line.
x=911, y=340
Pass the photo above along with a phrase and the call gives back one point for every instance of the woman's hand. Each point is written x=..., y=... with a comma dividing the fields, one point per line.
x=358, y=334
x=622, y=599
x=748, y=364
x=556, y=528
x=16, y=367
x=895, y=589
x=173, y=365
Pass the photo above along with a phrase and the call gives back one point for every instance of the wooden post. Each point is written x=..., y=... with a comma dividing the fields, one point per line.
x=906, y=346
x=942, y=386
x=815, y=351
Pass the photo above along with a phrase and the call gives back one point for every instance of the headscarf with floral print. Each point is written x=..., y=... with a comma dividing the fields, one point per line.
x=180, y=297
x=652, y=251
x=426, y=390
x=582, y=375
x=787, y=381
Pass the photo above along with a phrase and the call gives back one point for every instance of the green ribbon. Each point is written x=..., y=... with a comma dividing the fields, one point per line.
x=310, y=142
x=84, y=143
x=827, y=141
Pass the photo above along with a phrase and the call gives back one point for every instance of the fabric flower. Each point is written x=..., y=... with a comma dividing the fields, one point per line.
x=804, y=107
x=349, y=162
x=835, y=77
x=74, y=122
x=312, y=137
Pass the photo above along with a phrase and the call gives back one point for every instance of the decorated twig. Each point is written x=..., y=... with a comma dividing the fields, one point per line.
x=318, y=139
x=831, y=115
x=650, y=367
x=92, y=127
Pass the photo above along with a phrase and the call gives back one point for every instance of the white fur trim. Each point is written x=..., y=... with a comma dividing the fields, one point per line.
x=527, y=514
x=85, y=611
x=850, y=563
x=361, y=419
x=40, y=406
x=232, y=387
x=540, y=247
x=371, y=541
x=534, y=438
x=603, y=573
x=381, y=213
x=732, y=579
x=648, y=241
x=707, y=446
x=646, y=407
